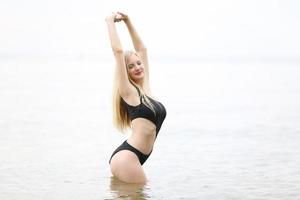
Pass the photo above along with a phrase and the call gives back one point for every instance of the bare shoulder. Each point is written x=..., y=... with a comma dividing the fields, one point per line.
x=131, y=97
x=149, y=92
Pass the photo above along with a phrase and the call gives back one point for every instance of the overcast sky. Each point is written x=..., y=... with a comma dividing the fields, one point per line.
x=205, y=28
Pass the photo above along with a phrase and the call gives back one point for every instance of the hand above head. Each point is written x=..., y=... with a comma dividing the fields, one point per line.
x=111, y=17
x=123, y=16
x=117, y=17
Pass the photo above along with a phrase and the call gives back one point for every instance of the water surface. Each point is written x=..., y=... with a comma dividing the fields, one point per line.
x=232, y=131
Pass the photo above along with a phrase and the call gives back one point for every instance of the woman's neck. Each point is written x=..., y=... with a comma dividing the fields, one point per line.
x=140, y=84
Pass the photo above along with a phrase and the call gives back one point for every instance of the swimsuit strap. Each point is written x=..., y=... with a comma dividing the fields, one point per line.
x=138, y=92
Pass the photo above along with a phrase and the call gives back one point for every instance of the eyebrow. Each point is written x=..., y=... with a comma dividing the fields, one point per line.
x=133, y=63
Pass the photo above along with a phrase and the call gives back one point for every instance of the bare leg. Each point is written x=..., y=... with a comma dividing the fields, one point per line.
x=126, y=167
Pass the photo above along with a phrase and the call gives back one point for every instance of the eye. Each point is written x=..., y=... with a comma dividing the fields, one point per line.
x=130, y=66
x=139, y=62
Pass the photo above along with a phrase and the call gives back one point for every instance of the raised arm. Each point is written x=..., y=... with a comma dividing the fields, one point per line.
x=124, y=85
x=138, y=44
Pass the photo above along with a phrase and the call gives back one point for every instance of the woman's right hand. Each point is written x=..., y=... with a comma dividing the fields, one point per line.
x=110, y=17
x=114, y=17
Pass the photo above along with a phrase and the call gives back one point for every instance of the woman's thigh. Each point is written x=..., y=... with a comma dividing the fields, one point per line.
x=125, y=166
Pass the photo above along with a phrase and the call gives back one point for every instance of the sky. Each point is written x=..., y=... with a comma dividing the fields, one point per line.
x=220, y=28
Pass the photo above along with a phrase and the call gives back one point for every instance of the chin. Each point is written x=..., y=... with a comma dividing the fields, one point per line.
x=139, y=77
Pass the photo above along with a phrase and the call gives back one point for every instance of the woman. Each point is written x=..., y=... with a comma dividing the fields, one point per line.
x=133, y=105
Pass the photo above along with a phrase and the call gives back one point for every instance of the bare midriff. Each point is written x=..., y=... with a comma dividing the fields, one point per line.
x=143, y=135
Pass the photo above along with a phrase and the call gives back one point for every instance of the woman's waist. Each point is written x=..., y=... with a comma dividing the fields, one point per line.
x=141, y=142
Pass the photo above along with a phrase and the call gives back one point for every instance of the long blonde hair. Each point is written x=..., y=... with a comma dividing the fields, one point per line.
x=121, y=119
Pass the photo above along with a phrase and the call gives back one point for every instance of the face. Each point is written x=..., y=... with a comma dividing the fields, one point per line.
x=135, y=68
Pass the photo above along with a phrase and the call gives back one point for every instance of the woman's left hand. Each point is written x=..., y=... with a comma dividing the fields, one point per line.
x=122, y=16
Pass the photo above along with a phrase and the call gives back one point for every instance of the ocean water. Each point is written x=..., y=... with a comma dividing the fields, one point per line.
x=232, y=131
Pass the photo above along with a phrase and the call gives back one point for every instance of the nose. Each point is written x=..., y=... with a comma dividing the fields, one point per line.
x=137, y=67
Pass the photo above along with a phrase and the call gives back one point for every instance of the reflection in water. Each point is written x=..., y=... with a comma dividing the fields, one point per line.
x=130, y=191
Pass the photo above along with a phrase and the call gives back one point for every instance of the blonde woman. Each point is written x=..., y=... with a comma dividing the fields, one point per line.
x=134, y=107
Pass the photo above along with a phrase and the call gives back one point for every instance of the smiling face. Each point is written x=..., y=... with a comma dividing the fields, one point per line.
x=135, y=67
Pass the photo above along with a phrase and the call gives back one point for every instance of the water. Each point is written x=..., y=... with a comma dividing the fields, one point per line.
x=232, y=131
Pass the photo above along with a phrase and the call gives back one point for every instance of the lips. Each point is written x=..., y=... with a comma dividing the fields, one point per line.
x=138, y=73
